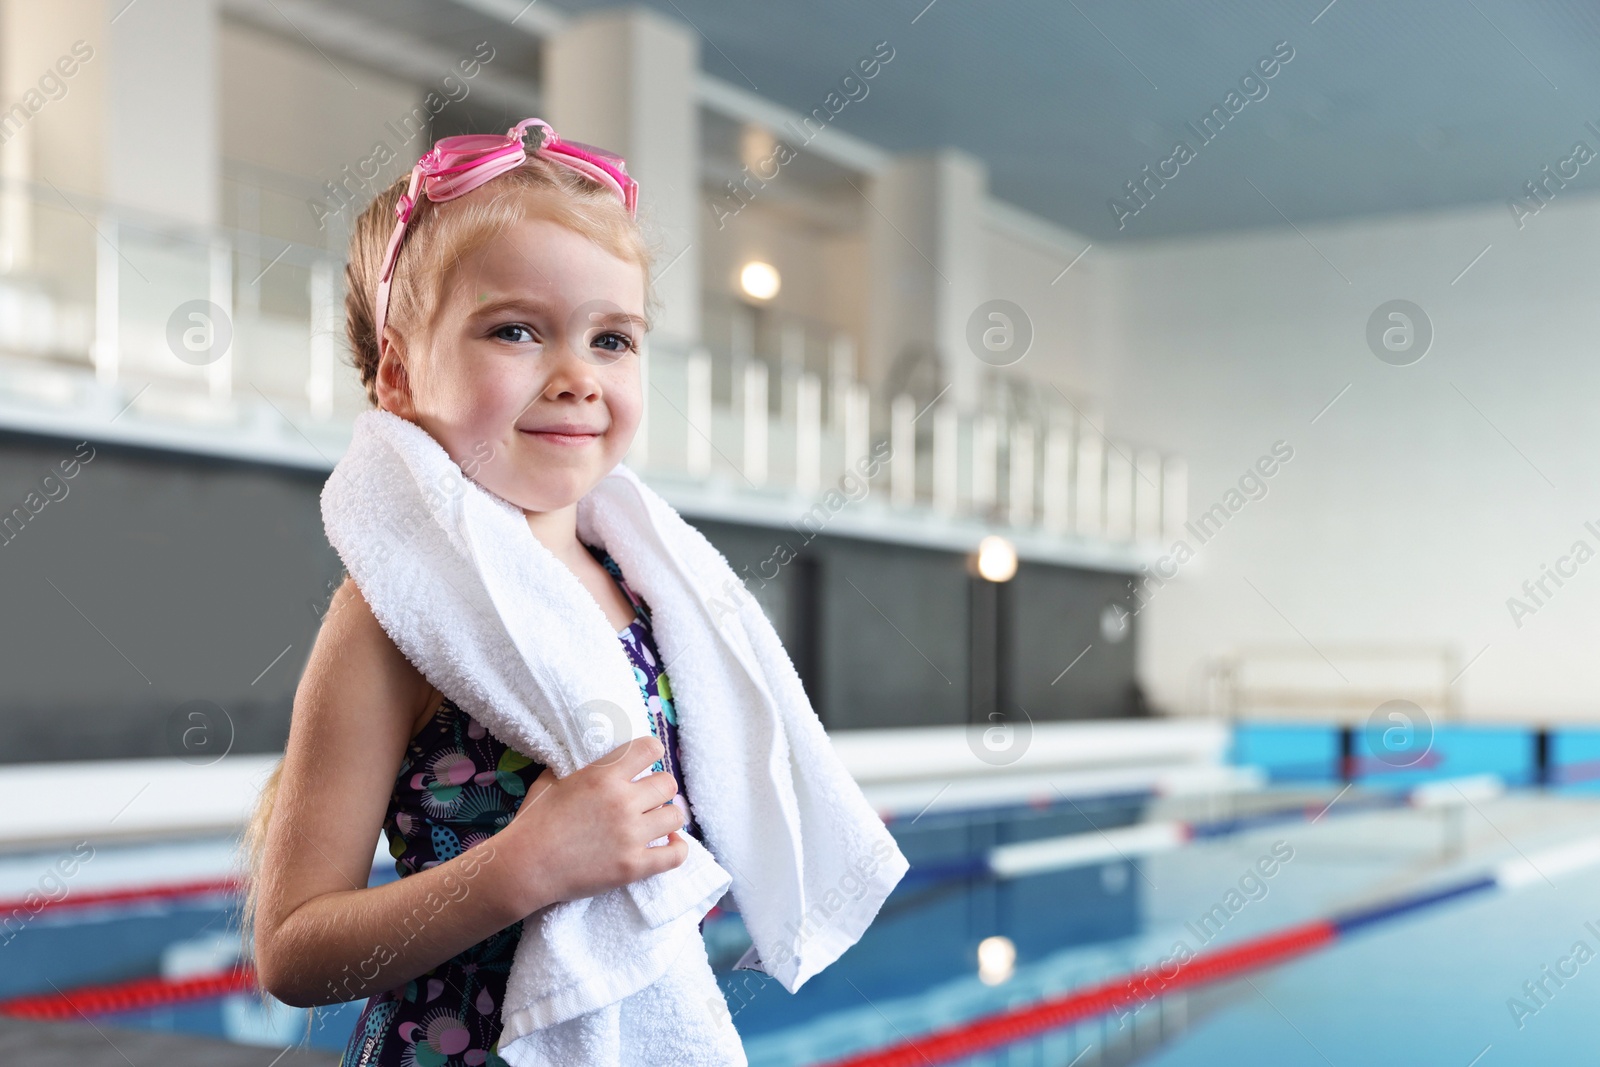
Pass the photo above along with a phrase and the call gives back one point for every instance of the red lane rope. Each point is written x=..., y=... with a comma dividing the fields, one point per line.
x=1017, y=1024
x=130, y=996
x=34, y=903
x=84, y=899
x=963, y=1040
x=1370, y=766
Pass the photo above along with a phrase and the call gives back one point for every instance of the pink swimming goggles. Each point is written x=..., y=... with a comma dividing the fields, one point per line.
x=457, y=165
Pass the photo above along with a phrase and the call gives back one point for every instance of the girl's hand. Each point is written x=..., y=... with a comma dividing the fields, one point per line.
x=586, y=833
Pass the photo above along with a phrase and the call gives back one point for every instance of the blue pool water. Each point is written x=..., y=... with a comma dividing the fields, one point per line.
x=1440, y=985
x=926, y=929
x=1444, y=987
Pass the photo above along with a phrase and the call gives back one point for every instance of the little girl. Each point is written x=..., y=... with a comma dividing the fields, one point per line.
x=503, y=314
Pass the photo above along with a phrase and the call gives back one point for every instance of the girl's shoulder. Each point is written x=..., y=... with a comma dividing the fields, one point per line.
x=354, y=652
x=354, y=709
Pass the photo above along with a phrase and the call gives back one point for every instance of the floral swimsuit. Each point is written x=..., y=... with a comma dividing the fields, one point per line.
x=458, y=786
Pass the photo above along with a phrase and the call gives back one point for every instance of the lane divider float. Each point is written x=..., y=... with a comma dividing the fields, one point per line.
x=1094, y=847
x=991, y=1032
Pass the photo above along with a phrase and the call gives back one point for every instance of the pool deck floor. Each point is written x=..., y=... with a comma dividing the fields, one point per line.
x=79, y=1044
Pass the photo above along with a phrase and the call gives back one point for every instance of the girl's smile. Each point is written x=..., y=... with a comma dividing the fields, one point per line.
x=564, y=438
x=565, y=434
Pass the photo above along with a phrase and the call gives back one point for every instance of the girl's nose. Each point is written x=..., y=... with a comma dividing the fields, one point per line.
x=574, y=372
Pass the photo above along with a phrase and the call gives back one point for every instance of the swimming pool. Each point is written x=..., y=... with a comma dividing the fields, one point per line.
x=1320, y=924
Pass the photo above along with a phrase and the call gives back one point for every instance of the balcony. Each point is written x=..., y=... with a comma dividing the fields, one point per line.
x=126, y=328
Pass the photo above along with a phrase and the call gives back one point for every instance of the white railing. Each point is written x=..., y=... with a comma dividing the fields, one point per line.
x=239, y=334
x=770, y=433
x=195, y=325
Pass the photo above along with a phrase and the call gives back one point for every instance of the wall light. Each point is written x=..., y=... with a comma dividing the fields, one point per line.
x=997, y=559
x=759, y=280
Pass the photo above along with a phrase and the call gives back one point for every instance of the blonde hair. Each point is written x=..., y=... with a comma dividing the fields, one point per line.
x=439, y=236
x=251, y=844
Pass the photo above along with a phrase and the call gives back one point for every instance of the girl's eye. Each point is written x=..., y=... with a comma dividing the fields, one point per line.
x=514, y=332
x=625, y=342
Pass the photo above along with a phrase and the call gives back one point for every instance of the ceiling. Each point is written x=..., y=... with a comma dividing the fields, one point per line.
x=1385, y=107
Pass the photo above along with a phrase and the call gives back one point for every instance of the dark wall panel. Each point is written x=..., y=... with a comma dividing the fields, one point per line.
x=150, y=583
x=1051, y=619
x=893, y=636
x=154, y=593
x=878, y=632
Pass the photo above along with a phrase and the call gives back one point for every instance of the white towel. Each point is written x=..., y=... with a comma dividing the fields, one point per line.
x=489, y=616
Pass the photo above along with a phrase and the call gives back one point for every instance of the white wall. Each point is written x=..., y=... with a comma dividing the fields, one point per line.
x=161, y=113
x=1404, y=516
x=287, y=111
x=1070, y=313
x=821, y=272
x=59, y=144
x=644, y=110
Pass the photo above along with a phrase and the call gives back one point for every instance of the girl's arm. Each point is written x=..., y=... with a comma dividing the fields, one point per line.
x=321, y=935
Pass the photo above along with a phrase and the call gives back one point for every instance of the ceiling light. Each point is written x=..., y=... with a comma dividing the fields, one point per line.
x=759, y=280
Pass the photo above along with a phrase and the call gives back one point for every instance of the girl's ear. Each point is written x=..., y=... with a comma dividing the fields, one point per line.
x=393, y=383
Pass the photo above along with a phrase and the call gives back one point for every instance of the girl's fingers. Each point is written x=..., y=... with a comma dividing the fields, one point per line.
x=636, y=754
x=655, y=790
x=662, y=821
x=670, y=855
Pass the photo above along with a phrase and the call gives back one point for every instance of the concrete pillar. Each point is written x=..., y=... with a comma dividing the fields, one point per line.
x=105, y=100
x=162, y=132
x=926, y=252
x=52, y=91
x=625, y=80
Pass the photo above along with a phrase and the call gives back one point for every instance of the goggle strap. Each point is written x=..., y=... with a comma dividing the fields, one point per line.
x=391, y=255
x=448, y=183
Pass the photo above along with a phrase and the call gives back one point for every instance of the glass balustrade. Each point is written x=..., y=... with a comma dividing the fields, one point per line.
x=205, y=335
